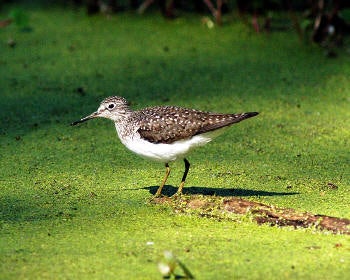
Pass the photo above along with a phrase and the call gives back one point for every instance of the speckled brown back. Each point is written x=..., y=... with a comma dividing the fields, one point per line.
x=167, y=124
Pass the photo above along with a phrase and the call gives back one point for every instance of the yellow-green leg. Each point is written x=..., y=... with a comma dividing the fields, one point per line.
x=159, y=191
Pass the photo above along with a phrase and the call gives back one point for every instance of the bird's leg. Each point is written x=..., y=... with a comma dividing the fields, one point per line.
x=159, y=191
x=187, y=167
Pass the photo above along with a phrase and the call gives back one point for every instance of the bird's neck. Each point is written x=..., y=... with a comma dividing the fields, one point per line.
x=125, y=130
x=125, y=124
x=122, y=115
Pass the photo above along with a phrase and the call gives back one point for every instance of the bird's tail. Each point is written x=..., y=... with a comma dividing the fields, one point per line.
x=222, y=120
x=248, y=115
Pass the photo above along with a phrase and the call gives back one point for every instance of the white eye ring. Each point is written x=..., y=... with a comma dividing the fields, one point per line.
x=111, y=106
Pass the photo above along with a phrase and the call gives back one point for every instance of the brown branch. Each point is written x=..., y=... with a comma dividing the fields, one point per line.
x=261, y=213
x=5, y=22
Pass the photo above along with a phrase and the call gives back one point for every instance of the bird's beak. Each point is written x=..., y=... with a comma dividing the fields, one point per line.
x=89, y=117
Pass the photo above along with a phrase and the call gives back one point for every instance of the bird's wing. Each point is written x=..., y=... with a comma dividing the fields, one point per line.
x=168, y=124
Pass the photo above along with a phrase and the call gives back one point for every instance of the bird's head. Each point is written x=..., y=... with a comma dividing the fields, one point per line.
x=114, y=108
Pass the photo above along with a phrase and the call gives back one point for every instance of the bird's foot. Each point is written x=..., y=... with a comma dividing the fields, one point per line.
x=177, y=195
x=157, y=195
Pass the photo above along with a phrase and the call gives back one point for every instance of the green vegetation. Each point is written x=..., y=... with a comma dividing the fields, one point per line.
x=74, y=203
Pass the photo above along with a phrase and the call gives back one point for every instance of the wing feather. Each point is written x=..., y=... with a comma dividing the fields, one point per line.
x=168, y=124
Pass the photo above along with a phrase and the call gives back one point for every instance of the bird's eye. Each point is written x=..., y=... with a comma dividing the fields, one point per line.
x=111, y=106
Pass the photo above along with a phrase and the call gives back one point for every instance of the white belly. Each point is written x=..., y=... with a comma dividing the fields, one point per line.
x=167, y=152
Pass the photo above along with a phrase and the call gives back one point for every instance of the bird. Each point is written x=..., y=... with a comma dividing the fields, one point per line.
x=164, y=133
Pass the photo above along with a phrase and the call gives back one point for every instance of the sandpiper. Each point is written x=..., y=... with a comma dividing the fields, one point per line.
x=164, y=133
